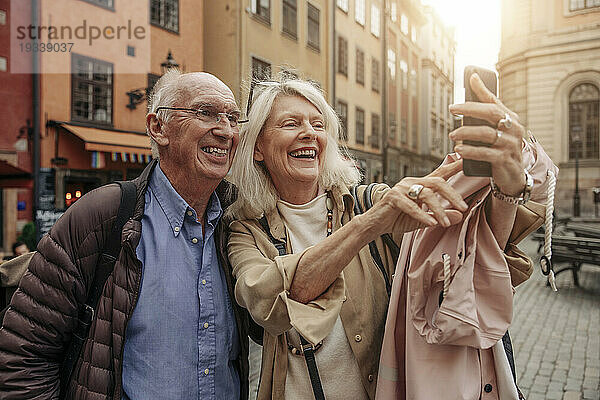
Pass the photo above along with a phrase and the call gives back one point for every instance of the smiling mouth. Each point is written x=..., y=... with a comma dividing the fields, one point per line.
x=215, y=151
x=307, y=154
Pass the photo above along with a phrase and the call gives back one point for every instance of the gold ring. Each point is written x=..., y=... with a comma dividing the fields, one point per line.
x=414, y=191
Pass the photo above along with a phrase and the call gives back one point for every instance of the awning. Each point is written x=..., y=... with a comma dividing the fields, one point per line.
x=12, y=176
x=111, y=141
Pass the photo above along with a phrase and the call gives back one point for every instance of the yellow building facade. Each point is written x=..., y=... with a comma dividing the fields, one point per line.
x=549, y=67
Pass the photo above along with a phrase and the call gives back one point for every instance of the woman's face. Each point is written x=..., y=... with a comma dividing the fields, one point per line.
x=292, y=144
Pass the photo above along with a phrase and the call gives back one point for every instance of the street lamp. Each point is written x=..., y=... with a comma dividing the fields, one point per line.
x=576, y=142
x=137, y=96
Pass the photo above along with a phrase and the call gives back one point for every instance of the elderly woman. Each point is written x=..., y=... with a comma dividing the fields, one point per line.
x=300, y=255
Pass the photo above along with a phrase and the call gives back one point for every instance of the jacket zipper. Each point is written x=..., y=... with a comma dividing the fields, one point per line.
x=119, y=376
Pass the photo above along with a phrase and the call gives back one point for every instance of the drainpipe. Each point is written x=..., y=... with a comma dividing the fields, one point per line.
x=384, y=102
x=332, y=49
x=36, y=121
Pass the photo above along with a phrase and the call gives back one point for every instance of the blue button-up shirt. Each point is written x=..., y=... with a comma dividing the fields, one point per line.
x=181, y=340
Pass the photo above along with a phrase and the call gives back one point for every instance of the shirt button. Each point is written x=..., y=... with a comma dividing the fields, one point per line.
x=205, y=325
x=189, y=213
x=206, y=371
x=370, y=378
x=487, y=388
x=194, y=240
x=358, y=338
x=204, y=281
x=176, y=229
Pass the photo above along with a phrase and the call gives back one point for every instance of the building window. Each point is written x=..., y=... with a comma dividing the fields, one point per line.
x=360, y=66
x=165, y=13
x=342, y=56
x=575, y=5
x=2, y=17
x=3, y=64
x=391, y=61
x=375, y=123
x=313, y=27
x=433, y=94
x=261, y=70
x=102, y=3
x=584, y=120
x=393, y=125
x=91, y=90
x=359, y=12
x=413, y=34
x=413, y=83
x=360, y=125
x=375, y=20
x=404, y=24
x=394, y=11
x=290, y=20
x=403, y=131
x=342, y=111
x=404, y=71
x=415, y=138
x=375, y=75
x=131, y=51
x=262, y=9
x=342, y=4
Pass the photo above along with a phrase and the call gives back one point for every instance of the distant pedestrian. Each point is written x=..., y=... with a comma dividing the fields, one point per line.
x=18, y=249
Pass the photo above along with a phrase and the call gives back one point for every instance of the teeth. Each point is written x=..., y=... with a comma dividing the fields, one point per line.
x=309, y=153
x=214, y=150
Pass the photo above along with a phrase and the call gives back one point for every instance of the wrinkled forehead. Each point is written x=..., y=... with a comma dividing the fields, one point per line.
x=197, y=89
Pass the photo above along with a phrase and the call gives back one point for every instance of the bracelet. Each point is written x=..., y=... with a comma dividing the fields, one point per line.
x=525, y=194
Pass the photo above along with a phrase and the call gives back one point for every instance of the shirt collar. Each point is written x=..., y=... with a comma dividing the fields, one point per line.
x=175, y=207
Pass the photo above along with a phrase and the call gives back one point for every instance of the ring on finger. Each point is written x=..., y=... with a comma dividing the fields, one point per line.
x=414, y=191
x=505, y=122
x=498, y=136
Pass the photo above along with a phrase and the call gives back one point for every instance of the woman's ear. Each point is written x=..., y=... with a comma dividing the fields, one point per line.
x=258, y=155
x=154, y=127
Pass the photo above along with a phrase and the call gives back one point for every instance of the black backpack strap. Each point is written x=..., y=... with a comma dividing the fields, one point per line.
x=375, y=255
x=307, y=348
x=104, y=268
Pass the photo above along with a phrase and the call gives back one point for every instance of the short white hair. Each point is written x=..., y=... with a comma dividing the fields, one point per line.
x=164, y=94
x=256, y=193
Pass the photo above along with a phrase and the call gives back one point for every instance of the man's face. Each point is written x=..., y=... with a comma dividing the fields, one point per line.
x=204, y=148
x=22, y=249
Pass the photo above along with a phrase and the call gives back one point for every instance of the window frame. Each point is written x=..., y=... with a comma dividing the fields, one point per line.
x=375, y=21
x=360, y=66
x=255, y=6
x=375, y=75
x=74, y=79
x=317, y=46
x=585, y=147
x=343, y=5
x=264, y=62
x=339, y=104
x=160, y=25
x=357, y=124
x=290, y=5
x=360, y=12
x=99, y=4
x=375, y=130
x=342, y=57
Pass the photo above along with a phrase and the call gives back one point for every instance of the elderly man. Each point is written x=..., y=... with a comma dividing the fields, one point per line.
x=166, y=325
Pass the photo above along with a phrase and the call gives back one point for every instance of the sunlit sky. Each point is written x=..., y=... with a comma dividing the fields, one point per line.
x=477, y=35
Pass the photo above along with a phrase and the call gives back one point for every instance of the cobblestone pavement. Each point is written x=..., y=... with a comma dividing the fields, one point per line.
x=556, y=336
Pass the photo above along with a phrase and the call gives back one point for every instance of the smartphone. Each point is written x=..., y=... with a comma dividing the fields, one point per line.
x=474, y=167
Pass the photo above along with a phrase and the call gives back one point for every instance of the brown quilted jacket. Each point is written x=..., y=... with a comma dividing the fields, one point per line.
x=37, y=327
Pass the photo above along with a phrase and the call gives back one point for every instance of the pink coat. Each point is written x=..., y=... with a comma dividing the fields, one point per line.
x=434, y=350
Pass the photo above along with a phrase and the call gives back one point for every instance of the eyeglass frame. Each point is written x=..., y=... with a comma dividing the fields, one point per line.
x=195, y=110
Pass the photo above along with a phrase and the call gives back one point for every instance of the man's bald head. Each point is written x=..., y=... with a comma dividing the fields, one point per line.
x=174, y=87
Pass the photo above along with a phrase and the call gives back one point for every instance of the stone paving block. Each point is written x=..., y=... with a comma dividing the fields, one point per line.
x=536, y=396
x=554, y=395
x=591, y=394
x=572, y=396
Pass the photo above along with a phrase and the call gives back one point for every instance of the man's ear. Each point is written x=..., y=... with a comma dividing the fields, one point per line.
x=154, y=127
x=258, y=155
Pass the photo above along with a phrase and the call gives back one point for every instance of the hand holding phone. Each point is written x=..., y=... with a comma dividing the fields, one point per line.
x=473, y=167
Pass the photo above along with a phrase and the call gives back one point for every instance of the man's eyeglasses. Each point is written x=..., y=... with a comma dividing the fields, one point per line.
x=208, y=115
